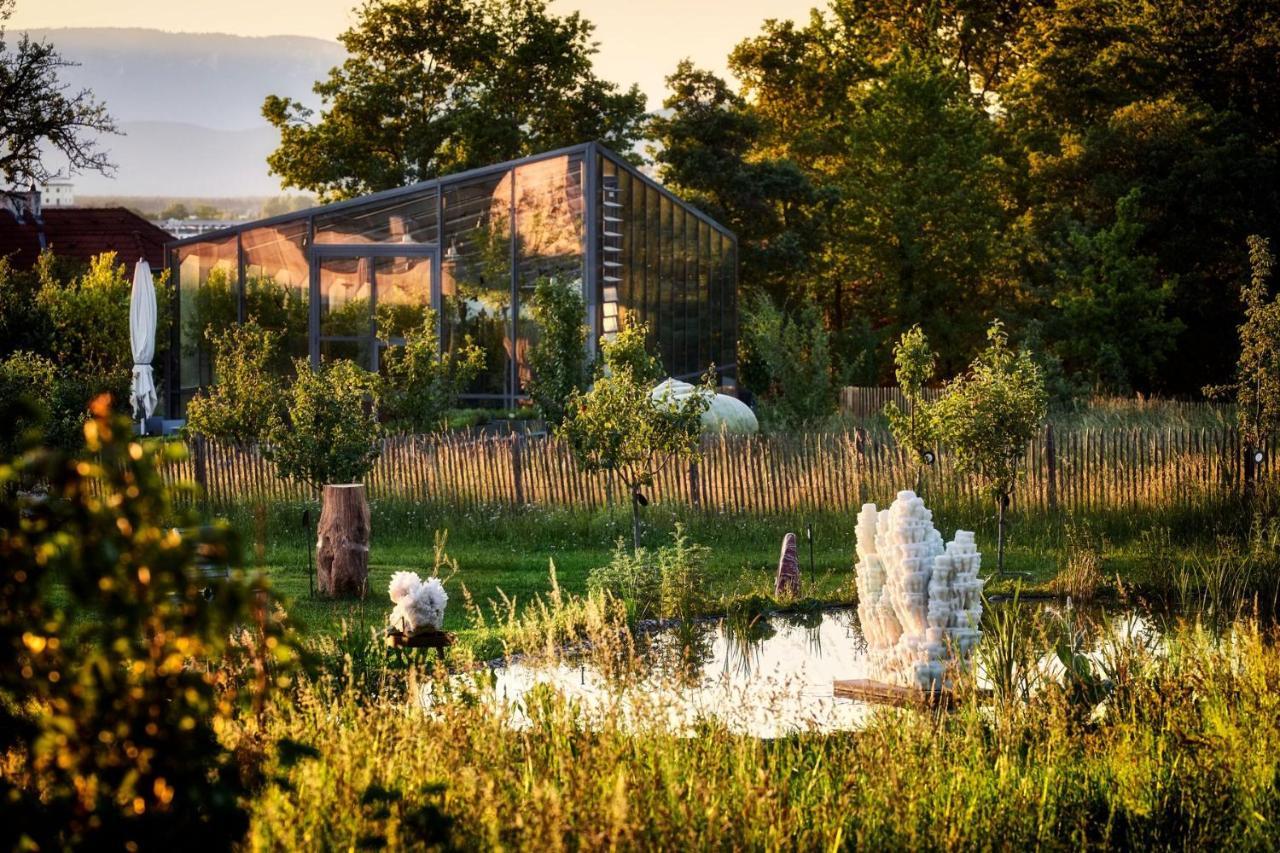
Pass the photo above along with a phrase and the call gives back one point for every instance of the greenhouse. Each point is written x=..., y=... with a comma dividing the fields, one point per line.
x=347, y=280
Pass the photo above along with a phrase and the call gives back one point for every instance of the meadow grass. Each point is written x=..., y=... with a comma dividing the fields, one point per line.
x=1183, y=750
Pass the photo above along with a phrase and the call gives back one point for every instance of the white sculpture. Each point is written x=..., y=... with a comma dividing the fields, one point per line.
x=419, y=604
x=919, y=601
x=723, y=411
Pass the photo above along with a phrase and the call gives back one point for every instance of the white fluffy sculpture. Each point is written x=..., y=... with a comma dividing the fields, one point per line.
x=723, y=413
x=919, y=601
x=419, y=604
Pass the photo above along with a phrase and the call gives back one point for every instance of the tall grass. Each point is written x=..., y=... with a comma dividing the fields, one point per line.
x=1187, y=755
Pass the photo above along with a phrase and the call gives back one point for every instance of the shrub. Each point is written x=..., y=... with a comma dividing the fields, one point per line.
x=629, y=352
x=328, y=430
x=245, y=394
x=558, y=359
x=422, y=382
x=913, y=429
x=27, y=385
x=110, y=707
x=669, y=582
x=794, y=355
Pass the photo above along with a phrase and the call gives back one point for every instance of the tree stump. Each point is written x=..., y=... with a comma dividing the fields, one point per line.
x=342, y=546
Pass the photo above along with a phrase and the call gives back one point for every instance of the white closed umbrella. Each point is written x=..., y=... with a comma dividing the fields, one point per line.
x=142, y=336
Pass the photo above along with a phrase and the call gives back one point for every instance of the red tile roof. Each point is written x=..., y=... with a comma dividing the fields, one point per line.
x=82, y=232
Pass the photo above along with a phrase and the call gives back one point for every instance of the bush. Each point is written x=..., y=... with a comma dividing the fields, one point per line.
x=793, y=355
x=111, y=705
x=669, y=582
x=245, y=394
x=26, y=400
x=328, y=431
x=558, y=359
x=424, y=383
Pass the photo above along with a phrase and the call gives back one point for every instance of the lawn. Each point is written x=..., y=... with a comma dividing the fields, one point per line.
x=508, y=553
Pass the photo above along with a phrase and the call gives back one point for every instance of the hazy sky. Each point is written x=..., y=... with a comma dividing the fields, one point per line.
x=640, y=40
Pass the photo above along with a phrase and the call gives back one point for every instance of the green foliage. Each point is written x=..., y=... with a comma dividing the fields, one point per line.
x=914, y=429
x=558, y=359
x=238, y=407
x=989, y=415
x=77, y=317
x=792, y=356
x=629, y=352
x=438, y=86
x=27, y=383
x=669, y=582
x=1110, y=307
x=618, y=426
x=422, y=382
x=112, y=703
x=706, y=134
x=1256, y=389
x=327, y=431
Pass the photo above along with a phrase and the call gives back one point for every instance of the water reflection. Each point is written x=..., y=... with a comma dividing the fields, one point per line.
x=771, y=675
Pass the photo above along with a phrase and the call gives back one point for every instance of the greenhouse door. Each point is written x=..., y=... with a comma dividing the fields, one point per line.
x=366, y=298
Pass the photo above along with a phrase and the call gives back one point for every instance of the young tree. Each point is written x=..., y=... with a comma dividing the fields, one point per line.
x=327, y=429
x=914, y=429
x=558, y=360
x=1256, y=389
x=38, y=113
x=423, y=383
x=239, y=406
x=437, y=86
x=988, y=415
x=618, y=426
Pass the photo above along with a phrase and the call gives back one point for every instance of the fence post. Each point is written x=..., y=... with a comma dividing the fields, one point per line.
x=695, y=494
x=517, y=474
x=202, y=473
x=1051, y=462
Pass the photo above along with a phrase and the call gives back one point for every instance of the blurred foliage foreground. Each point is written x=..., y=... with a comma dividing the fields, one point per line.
x=145, y=714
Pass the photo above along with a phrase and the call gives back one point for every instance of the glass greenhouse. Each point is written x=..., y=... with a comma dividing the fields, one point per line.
x=346, y=280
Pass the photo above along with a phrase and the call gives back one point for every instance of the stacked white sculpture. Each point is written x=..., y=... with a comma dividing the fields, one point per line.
x=919, y=601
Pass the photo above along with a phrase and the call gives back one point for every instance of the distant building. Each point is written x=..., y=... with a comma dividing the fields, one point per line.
x=57, y=194
x=182, y=228
x=27, y=228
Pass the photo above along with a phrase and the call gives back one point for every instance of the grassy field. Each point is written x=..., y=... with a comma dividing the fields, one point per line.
x=507, y=553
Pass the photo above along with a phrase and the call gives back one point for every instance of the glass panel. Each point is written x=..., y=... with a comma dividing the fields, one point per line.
x=700, y=355
x=277, y=285
x=475, y=273
x=549, y=239
x=657, y=292
x=641, y=293
x=619, y=285
x=715, y=300
x=405, y=219
x=360, y=351
x=208, y=292
x=346, y=297
x=404, y=295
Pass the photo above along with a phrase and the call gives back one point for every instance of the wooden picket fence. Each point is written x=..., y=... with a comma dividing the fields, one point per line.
x=1082, y=469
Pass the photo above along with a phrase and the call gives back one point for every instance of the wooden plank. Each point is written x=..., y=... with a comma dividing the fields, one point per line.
x=880, y=693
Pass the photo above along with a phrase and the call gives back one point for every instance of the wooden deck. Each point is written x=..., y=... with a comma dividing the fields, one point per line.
x=880, y=693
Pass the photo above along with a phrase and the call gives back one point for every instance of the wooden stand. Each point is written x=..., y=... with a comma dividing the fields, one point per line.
x=879, y=693
x=428, y=639
x=342, y=545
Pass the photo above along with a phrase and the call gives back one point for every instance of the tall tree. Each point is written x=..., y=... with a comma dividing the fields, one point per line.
x=705, y=148
x=38, y=112
x=435, y=86
x=1175, y=100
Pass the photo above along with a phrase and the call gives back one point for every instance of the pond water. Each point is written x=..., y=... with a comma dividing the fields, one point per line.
x=769, y=676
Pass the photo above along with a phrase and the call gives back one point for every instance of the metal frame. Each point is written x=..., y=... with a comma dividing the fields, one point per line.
x=592, y=155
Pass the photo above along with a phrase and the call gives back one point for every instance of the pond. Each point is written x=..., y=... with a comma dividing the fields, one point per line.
x=768, y=676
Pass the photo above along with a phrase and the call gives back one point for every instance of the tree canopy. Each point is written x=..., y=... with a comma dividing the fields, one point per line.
x=436, y=86
x=38, y=112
